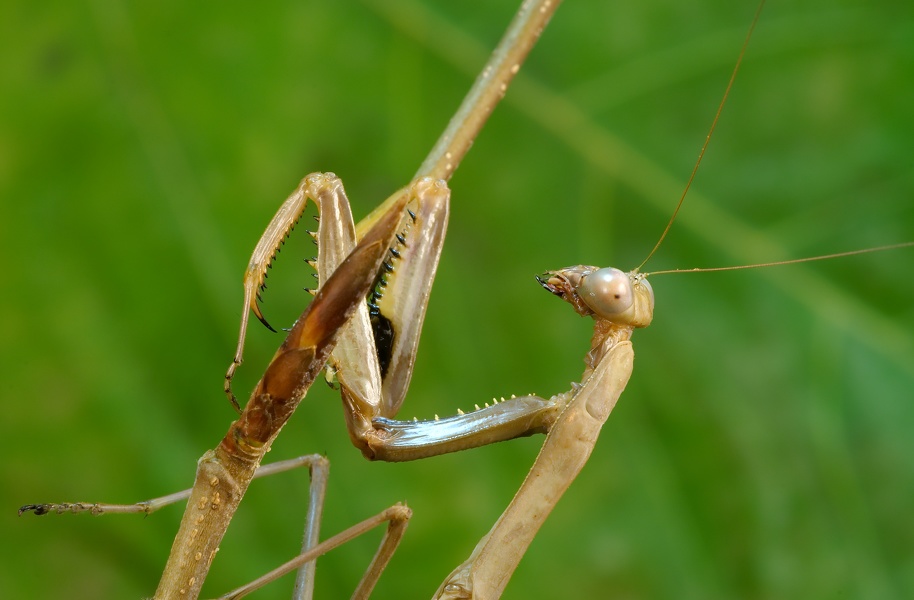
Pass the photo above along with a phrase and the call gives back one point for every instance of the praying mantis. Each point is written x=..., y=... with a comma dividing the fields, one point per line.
x=478, y=370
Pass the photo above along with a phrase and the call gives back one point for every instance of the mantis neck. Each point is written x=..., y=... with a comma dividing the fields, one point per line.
x=606, y=335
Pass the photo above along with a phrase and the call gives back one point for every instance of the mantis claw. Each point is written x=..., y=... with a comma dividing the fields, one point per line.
x=255, y=308
x=326, y=191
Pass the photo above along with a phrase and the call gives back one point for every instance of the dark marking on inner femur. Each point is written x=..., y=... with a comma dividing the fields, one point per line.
x=381, y=326
x=383, y=330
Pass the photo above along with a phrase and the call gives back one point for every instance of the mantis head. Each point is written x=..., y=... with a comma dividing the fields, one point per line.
x=608, y=293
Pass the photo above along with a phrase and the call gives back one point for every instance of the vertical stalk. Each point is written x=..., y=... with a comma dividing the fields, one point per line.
x=488, y=89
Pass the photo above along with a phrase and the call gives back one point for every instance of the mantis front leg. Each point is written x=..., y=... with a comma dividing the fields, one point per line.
x=335, y=238
x=375, y=355
x=376, y=351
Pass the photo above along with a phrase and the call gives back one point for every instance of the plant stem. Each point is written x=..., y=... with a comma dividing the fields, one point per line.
x=488, y=89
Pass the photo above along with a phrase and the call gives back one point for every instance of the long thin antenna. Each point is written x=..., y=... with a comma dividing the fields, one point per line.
x=786, y=262
x=704, y=146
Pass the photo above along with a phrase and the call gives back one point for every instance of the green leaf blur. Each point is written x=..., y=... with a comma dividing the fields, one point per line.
x=764, y=446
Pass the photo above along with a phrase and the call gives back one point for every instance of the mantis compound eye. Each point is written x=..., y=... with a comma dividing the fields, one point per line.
x=608, y=292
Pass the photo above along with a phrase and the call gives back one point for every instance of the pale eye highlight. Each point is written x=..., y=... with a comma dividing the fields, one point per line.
x=608, y=292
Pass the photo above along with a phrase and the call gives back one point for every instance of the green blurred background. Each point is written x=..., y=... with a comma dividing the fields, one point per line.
x=765, y=445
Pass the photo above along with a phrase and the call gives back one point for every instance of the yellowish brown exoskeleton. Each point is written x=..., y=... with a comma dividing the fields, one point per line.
x=390, y=260
x=375, y=353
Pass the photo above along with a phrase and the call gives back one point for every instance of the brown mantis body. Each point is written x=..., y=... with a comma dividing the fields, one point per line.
x=524, y=383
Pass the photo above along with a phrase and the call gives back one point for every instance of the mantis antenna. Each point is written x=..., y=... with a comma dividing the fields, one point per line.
x=688, y=185
x=786, y=262
x=701, y=153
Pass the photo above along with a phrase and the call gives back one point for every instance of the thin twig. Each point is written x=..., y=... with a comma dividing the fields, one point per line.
x=488, y=89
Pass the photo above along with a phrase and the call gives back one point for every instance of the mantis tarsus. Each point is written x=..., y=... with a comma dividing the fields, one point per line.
x=488, y=376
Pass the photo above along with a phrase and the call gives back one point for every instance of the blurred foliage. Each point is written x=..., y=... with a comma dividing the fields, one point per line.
x=763, y=448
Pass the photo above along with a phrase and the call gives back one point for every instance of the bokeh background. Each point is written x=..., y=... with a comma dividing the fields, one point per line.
x=764, y=446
